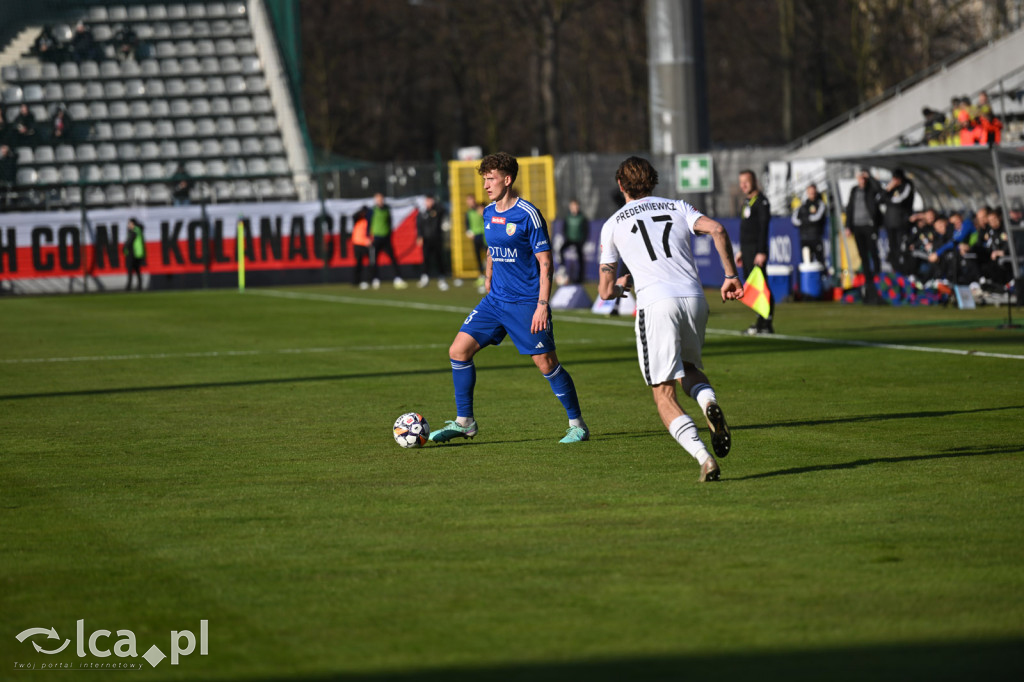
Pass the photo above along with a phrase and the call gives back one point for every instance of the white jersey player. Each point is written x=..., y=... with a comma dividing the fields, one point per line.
x=652, y=236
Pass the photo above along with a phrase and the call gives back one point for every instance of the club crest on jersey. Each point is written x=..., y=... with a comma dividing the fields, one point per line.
x=510, y=229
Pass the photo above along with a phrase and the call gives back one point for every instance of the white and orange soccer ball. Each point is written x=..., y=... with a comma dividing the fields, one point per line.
x=411, y=430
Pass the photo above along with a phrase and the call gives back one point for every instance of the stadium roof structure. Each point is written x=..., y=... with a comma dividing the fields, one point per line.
x=948, y=177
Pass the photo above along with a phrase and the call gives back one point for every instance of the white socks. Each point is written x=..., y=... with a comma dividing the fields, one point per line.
x=684, y=431
x=703, y=394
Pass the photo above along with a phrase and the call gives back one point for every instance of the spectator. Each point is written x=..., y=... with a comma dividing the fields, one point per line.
x=430, y=237
x=134, y=252
x=181, y=186
x=61, y=124
x=126, y=42
x=988, y=130
x=993, y=250
x=46, y=47
x=361, y=243
x=25, y=125
x=938, y=261
x=5, y=129
x=916, y=243
x=475, y=231
x=934, y=127
x=862, y=220
x=965, y=263
x=381, y=227
x=8, y=174
x=810, y=220
x=576, y=229
x=83, y=44
x=899, y=202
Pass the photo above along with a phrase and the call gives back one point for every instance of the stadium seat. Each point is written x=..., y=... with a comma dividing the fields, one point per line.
x=176, y=11
x=205, y=48
x=236, y=9
x=243, y=190
x=26, y=177
x=255, y=84
x=216, y=9
x=134, y=88
x=186, y=48
x=224, y=191
x=137, y=12
x=236, y=167
x=94, y=91
x=180, y=107
x=157, y=12
x=48, y=175
x=225, y=46
x=263, y=188
x=216, y=168
x=76, y=91
x=195, y=168
x=231, y=147
x=118, y=109
x=211, y=148
x=241, y=105
x=127, y=151
x=190, y=148
x=245, y=46
x=149, y=149
x=195, y=86
x=162, y=31
x=30, y=72
x=267, y=125
x=196, y=11
x=10, y=74
x=247, y=125
x=91, y=173
x=94, y=196
x=50, y=72
x=110, y=69
x=226, y=126
x=136, y=194
x=69, y=174
x=284, y=188
x=257, y=166
x=279, y=166
x=185, y=127
x=88, y=69
x=53, y=92
x=106, y=151
x=209, y=64
x=97, y=13
x=115, y=194
x=153, y=171
x=102, y=33
x=220, y=106
x=33, y=92
x=71, y=196
x=159, y=194
x=117, y=13
x=251, y=65
x=205, y=127
x=235, y=84
x=150, y=67
x=131, y=69
x=139, y=109
x=169, y=149
x=262, y=105
x=230, y=64
x=170, y=67
x=44, y=154
x=166, y=50
x=98, y=110
x=69, y=71
x=252, y=145
x=113, y=89
x=124, y=130
x=12, y=94
x=111, y=173
x=65, y=152
x=85, y=152
x=25, y=155
x=181, y=30
x=164, y=129
x=101, y=130
x=131, y=172
x=215, y=86
x=175, y=87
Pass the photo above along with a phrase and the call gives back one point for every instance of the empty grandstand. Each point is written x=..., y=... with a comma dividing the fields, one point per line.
x=155, y=89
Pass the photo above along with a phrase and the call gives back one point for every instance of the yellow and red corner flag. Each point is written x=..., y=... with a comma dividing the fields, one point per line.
x=755, y=293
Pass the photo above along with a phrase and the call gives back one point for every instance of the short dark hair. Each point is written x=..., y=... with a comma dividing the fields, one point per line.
x=501, y=162
x=637, y=177
x=752, y=174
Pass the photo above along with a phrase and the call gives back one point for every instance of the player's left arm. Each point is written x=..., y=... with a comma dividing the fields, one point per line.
x=731, y=286
x=543, y=311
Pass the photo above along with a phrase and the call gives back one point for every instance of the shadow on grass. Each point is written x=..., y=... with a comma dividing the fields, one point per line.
x=951, y=453
x=525, y=365
x=882, y=416
x=968, y=660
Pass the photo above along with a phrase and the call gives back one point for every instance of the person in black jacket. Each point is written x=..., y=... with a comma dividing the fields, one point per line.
x=810, y=219
x=430, y=237
x=754, y=227
x=899, y=206
x=862, y=219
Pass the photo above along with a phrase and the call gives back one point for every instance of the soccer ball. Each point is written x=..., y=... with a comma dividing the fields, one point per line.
x=411, y=430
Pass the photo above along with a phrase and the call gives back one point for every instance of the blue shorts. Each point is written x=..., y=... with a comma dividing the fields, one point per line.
x=491, y=320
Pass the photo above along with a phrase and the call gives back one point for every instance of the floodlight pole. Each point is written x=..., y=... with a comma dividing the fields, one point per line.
x=1009, y=238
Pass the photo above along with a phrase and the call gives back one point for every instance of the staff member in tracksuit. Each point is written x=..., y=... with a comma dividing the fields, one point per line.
x=810, y=220
x=754, y=242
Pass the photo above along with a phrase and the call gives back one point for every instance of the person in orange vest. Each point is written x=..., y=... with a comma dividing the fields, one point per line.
x=361, y=242
x=964, y=123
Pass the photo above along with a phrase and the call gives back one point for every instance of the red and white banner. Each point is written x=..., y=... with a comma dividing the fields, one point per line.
x=182, y=239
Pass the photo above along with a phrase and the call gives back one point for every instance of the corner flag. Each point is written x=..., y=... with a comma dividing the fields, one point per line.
x=755, y=293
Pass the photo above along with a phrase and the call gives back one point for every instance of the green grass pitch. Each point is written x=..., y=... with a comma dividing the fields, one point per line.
x=169, y=458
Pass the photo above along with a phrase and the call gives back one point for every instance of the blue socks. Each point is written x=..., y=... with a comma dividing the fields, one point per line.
x=464, y=379
x=564, y=389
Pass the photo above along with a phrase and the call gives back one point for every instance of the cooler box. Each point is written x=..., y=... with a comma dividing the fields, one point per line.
x=810, y=279
x=780, y=280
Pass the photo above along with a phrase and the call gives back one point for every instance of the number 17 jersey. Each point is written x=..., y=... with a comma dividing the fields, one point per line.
x=652, y=237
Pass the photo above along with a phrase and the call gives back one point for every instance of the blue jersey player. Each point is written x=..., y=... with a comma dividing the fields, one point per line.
x=517, y=279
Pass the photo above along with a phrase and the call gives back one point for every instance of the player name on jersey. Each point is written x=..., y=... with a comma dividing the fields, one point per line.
x=630, y=211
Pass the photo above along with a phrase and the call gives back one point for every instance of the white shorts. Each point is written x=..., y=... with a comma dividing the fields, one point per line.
x=670, y=332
